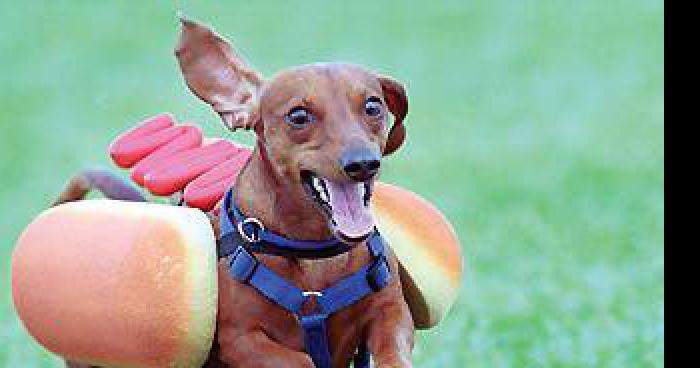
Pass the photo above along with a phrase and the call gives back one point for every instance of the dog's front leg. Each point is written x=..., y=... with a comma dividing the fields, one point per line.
x=256, y=349
x=390, y=336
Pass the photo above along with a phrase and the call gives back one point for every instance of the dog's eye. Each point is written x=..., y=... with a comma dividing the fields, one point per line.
x=373, y=106
x=298, y=117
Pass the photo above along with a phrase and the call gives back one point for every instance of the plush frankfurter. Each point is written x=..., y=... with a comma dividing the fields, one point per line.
x=423, y=239
x=118, y=283
x=134, y=284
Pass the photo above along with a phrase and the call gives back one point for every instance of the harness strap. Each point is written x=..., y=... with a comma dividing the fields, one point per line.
x=229, y=242
x=267, y=241
x=315, y=339
x=244, y=267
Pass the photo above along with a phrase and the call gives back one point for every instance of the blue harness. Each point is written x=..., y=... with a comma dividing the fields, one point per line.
x=241, y=237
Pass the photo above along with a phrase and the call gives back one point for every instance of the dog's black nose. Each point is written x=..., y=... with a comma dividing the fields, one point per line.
x=360, y=165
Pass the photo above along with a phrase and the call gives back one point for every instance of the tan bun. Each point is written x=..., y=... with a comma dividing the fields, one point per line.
x=427, y=248
x=118, y=283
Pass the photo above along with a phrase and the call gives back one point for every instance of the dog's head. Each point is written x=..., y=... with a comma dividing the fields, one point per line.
x=323, y=127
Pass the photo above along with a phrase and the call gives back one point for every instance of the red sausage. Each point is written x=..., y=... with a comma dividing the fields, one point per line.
x=190, y=138
x=168, y=177
x=205, y=191
x=132, y=146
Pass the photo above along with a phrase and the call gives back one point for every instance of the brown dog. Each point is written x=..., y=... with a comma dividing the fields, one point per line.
x=319, y=123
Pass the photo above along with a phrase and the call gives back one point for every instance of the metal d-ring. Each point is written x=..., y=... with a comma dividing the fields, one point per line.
x=248, y=238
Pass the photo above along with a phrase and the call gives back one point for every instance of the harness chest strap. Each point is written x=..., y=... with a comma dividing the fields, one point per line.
x=246, y=268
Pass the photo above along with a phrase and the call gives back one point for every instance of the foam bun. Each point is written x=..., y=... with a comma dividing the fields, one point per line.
x=115, y=283
x=427, y=248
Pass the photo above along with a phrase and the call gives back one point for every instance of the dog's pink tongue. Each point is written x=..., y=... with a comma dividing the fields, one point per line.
x=352, y=218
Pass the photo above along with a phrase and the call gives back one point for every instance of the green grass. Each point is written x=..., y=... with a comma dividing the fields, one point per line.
x=537, y=127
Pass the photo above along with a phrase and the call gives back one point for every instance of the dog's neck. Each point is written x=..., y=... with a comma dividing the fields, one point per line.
x=278, y=200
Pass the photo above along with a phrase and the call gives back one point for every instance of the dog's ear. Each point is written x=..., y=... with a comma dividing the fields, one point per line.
x=397, y=102
x=218, y=75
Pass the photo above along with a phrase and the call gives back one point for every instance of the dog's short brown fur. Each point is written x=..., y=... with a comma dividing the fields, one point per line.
x=251, y=330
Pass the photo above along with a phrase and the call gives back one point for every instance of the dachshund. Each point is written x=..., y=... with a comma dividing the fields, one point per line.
x=321, y=133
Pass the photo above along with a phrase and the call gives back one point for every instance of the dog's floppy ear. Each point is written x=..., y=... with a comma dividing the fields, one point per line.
x=397, y=102
x=218, y=75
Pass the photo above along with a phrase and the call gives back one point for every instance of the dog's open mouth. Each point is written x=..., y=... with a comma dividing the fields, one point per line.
x=346, y=204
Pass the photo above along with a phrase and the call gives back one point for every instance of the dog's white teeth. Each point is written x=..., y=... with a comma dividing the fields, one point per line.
x=317, y=184
x=361, y=190
x=366, y=192
x=322, y=194
x=320, y=189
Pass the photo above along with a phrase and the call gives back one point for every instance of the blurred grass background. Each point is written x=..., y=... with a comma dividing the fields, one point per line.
x=536, y=126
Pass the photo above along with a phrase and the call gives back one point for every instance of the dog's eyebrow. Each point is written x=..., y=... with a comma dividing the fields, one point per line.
x=294, y=101
x=358, y=93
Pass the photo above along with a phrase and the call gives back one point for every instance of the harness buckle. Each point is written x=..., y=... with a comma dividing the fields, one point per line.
x=375, y=244
x=379, y=274
x=317, y=294
x=242, y=265
x=255, y=237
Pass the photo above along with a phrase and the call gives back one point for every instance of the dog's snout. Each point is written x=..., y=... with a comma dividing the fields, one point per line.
x=360, y=165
